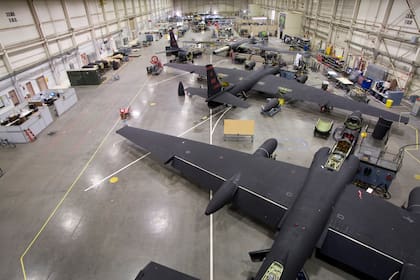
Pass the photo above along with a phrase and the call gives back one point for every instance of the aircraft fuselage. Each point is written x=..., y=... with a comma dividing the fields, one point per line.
x=249, y=81
x=304, y=223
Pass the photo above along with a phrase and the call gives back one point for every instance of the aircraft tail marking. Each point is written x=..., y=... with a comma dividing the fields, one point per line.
x=172, y=42
x=213, y=83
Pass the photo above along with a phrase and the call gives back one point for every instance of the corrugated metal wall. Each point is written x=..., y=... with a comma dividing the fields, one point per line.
x=52, y=35
x=225, y=7
x=382, y=31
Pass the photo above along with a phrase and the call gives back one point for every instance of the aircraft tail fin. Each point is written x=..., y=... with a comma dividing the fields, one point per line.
x=172, y=41
x=213, y=83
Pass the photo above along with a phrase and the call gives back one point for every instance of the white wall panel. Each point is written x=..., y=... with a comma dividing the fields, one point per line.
x=49, y=10
x=95, y=12
x=21, y=13
x=345, y=9
x=28, y=33
x=53, y=48
x=3, y=70
x=79, y=22
x=87, y=48
x=371, y=11
x=83, y=38
x=75, y=8
x=136, y=7
x=129, y=6
x=313, y=8
x=119, y=7
x=19, y=20
x=33, y=55
x=55, y=27
x=66, y=44
x=113, y=27
x=109, y=10
x=400, y=16
x=326, y=8
x=100, y=32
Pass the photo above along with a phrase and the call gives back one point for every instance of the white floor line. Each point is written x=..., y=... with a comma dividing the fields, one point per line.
x=116, y=172
x=164, y=81
x=140, y=158
x=218, y=120
x=211, y=242
x=211, y=194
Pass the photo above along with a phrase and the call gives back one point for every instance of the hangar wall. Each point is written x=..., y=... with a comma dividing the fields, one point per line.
x=223, y=7
x=40, y=40
x=385, y=32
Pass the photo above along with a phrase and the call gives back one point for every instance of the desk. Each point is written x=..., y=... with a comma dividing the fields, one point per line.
x=238, y=128
x=344, y=83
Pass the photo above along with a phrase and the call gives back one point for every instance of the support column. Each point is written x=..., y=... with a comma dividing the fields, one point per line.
x=42, y=37
x=6, y=59
x=356, y=9
x=105, y=19
x=318, y=9
x=92, y=29
x=384, y=23
x=332, y=20
x=413, y=71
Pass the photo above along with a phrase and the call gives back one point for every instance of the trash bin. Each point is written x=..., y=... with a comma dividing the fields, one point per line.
x=324, y=85
x=389, y=103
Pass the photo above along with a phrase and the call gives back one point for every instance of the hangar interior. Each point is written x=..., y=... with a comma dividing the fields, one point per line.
x=78, y=201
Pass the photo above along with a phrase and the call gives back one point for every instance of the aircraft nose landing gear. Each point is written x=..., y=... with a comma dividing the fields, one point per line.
x=326, y=108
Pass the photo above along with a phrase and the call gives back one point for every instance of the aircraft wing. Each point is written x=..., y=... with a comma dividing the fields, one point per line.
x=210, y=166
x=366, y=232
x=223, y=98
x=155, y=271
x=202, y=92
x=192, y=68
x=293, y=90
x=230, y=99
x=232, y=76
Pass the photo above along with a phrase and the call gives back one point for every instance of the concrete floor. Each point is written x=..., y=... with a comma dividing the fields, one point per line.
x=61, y=218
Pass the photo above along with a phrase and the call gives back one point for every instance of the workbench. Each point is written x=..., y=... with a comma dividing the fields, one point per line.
x=344, y=83
x=238, y=129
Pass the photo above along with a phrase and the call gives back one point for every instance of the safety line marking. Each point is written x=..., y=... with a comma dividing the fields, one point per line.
x=212, y=129
x=166, y=80
x=85, y=168
x=210, y=197
x=211, y=241
x=407, y=150
x=63, y=198
x=140, y=158
x=72, y=186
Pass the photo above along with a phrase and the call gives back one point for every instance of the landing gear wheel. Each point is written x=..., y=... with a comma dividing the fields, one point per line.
x=326, y=109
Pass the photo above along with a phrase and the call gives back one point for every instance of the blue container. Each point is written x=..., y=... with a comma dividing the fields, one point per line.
x=366, y=84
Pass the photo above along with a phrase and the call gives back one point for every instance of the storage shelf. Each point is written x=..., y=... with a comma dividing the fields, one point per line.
x=332, y=62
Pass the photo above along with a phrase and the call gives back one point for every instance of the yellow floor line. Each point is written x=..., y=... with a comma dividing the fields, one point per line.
x=72, y=185
x=63, y=198
x=416, y=148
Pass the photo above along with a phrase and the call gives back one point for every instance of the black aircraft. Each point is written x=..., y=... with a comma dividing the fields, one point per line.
x=181, y=55
x=263, y=80
x=238, y=46
x=308, y=208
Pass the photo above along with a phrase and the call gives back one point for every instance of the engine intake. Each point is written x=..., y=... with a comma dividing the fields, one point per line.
x=413, y=204
x=224, y=194
x=266, y=149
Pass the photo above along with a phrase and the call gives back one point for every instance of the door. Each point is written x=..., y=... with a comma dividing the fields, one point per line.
x=42, y=84
x=30, y=89
x=13, y=97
